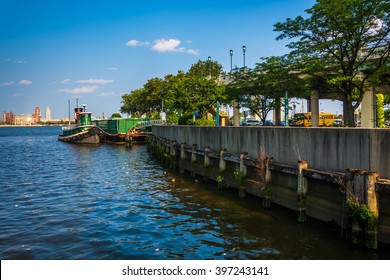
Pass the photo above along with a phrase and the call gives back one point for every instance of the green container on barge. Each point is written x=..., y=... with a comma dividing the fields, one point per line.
x=115, y=129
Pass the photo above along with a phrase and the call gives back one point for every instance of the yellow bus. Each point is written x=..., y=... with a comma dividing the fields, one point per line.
x=304, y=119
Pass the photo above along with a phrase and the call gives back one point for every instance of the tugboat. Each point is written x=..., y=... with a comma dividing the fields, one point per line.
x=83, y=132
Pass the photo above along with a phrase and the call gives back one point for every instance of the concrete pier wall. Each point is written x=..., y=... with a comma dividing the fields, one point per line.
x=333, y=161
x=334, y=149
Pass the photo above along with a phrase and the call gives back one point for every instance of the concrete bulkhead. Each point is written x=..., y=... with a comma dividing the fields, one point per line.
x=307, y=172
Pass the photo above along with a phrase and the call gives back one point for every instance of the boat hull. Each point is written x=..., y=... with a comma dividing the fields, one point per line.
x=90, y=136
x=120, y=138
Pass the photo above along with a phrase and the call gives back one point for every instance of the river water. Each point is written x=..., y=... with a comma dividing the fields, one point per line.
x=63, y=201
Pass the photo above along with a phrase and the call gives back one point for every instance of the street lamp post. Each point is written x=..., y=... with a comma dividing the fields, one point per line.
x=231, y=61
x=209, y=62
x=243, y=53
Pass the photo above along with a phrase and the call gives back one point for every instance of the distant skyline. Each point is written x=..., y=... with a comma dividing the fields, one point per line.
x=55, y=51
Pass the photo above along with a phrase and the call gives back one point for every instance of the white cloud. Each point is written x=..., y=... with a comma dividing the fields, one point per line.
x=112, y=68
x=136, y=43
x=95, y=81
x=171, y=45
x=83, y=89
x=6, y=84
x=106, y=94
x=21, y=61
x=17, y=95
x=164, y=45
x=192, y=51
x=25, y=82
x=65, y=81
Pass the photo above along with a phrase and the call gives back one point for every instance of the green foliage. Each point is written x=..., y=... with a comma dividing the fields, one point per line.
x=239, y=176
x=186, y=119
x=267, y=190
x=302, y=201
x=380, y=112
x=116, y=116
x=258, y=89
x=360, y=211
x=197, y=90
x=366, y=214
x=204, y=122
x=206, y=69
x=336, y=41
x=220, y=180
x=172, y=117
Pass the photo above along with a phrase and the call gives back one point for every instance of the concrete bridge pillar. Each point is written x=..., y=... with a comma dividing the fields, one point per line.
x=368, y=109
x=314, y=107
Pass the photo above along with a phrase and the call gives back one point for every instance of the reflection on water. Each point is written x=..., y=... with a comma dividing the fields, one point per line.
x=62, y=201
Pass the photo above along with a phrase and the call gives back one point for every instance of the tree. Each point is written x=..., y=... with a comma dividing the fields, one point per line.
x=344, y=43
x=116, y=116
x=182, y=93
x=380, y=112
x=206, y=69
x=133, y=103
x=260, y=89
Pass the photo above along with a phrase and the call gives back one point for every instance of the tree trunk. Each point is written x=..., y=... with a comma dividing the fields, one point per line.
x=348, y=112
x=277, y=111
x=236, y=113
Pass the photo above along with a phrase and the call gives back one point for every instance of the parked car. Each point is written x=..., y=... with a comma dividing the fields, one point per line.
x=253, y=122
x=269, y=123
x=338, y=122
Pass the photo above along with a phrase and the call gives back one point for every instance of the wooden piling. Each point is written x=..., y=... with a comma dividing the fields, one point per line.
x=358, y=190
x=206, y=164
x=182, y=157
x=371, y=226
x=222, y=161
x=172, y=155
x=267, y=190
x=244, y=171
x=301, y=191
x=193, y=160
x=128, y=139
x=243, y=167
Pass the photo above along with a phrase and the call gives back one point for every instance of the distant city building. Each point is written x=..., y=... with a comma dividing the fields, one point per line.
x=8, y=118
x=48, y=114
x=37, y=115
x=33, y=119
x=24, y=120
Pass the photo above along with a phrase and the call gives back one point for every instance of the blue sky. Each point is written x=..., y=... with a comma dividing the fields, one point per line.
x=55, y=51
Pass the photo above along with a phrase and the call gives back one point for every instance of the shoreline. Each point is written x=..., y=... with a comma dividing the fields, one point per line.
x=32, y=125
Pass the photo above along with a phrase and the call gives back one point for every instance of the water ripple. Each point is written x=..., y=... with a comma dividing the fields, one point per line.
x=61, y=201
